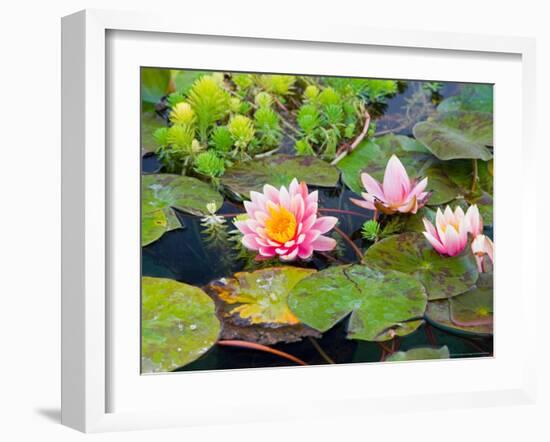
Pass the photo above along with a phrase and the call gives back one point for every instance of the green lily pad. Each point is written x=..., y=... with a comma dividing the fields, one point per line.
x=468, y=313
x=455, y=135
x=382, y=303
x=478, y=97
x=411, y=253
x=278, y=170
x=179, y=324
x=161, y=193
x=416, y=354
x=372, y=157
x=149, y=123
x=155, y=83
x=183, y=80
x=184, y=193
x=253, y=305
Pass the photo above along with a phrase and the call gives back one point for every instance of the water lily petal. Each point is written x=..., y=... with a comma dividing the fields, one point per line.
x=324, y=244
x=396, y=180
x=325, y=223
x=363, y=203
x=372, y=186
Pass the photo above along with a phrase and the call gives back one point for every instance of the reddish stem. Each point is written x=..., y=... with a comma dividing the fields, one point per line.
x=350, y=242
x=260, y=347
x=346, y=212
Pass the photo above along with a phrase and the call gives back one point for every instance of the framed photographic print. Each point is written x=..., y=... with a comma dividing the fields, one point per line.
x=279, y=210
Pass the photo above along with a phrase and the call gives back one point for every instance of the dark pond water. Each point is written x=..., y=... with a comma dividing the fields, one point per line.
x=186, y=255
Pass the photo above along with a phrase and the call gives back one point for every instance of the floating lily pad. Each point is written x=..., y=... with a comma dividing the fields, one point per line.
x=372, y=157
x=278, y=170
x=155, y=83
x=382, y=304
x=149, y=123
x=477, y=97
x=411, y=253
x=179, y=324
x=253, y=305
x=455, y=135
x=468, y=313
x=416, y=354
x=161, y=193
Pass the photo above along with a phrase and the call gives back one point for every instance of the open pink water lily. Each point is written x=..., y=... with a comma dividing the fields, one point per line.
x=482, y=246
x=397, y=193
x=450, y=234
x=284, y=223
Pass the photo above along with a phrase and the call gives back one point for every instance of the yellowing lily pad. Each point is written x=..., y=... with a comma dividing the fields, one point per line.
x=420, y=353
x=179, y=324
x=161, y=193
x=278, y=170
x=382, y=304
x=412, y=254
x=253, y=305
x=455, y=135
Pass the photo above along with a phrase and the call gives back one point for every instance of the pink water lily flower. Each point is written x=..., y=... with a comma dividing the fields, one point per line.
x=481, y=246
x=450, y=234
x=284, y=223
x=397, y=193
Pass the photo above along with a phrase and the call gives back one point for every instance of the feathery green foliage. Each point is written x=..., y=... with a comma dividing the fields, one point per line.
x=303, y=148
x=263, y=99
x=209, y=164
x=308, y=118
x=311, y=93
x=281, y=85
x=370, y=230
x=242, y=130
x=268, y=127
x=210, y=103
x=329, y=96
x=183, y=114
x=334, y=114
x=221, y=139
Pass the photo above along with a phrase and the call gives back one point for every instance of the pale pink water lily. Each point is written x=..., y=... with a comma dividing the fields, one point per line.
x=283, y=222
x=397, y=193
x=481, y=246
x=450, y=234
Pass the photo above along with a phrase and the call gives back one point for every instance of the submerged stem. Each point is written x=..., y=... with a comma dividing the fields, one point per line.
x=347, y=212
x=350, y=242
x=320, y=350
x=260, y=347
x=475, y=177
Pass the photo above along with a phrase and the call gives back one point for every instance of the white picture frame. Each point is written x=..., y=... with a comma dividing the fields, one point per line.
x=87, y=212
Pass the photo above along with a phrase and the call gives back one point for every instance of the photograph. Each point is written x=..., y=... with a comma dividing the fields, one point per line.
x=293, y=219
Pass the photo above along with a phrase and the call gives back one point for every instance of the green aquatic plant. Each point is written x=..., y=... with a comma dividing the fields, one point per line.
x=210, y=103
x=183, y=114
x=334, y=114
x=242, y=131
x=268, y=126
x=370, y=230
x=280, y=85
x=210, y=164
x=311, y=93
x=308, y=119
x=303, y=148
x=243, y=82
x=174, y=98
x=329, y=96
x=221, y=139
x=263, y=99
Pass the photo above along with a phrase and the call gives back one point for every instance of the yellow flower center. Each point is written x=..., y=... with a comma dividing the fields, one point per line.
x=281, y=225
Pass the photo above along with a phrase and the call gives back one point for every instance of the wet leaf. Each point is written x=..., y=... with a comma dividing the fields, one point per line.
x=253, y=305
x=278, y=170
x=382, y=304
x=372, y=157
x=149, y=123
x=477, y=98
x=155, y=83
x=469, y=313
x=416, y=354
x=455, y=135
x=161, y=193
x=184, y=193
x=260, y=297
x=179, y=324
x=412, y=254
